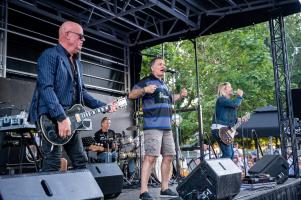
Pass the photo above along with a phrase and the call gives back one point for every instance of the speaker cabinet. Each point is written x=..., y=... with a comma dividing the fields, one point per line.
x=212, y=179
x=275, y=165
x=79, y=185
x=109, y=178
x=296, y=99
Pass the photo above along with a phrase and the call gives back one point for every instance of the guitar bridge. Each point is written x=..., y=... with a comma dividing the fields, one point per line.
x=77, y=118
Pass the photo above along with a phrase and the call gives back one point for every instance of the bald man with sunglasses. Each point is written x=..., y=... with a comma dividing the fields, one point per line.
x=60, y=86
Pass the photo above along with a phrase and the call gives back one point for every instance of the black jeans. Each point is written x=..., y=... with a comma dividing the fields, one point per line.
x=53, y=153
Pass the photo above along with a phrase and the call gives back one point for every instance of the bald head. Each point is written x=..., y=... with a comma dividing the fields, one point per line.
x=71, y=36
x=67, y=26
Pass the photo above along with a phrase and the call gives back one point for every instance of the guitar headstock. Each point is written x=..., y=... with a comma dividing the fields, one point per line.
x=121, y=102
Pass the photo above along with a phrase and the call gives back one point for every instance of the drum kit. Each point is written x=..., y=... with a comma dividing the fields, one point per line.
x=128, y=147
x=129, y=150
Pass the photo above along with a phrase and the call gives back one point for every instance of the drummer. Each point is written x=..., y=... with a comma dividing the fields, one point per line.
x=106, y=144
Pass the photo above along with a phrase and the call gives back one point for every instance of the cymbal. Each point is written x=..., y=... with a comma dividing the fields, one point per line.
x=133, y=128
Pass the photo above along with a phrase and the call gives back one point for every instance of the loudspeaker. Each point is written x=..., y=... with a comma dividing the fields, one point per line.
x=78, y=185
x=275, y=165
x=296, y=98
x=109, y=178
x=212, y=179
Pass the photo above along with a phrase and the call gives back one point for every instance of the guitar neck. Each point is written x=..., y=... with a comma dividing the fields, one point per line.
x=246, y=117
x=95, y=111
x=237, y=125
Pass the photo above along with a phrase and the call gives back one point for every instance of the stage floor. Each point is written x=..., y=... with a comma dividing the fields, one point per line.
x=290, y=190
x=133, y=194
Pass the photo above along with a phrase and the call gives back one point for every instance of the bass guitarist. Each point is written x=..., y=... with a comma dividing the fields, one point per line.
x=225, y=115
x=59, y=86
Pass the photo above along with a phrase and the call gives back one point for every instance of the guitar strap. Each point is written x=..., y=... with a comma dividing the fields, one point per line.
x=81, y=85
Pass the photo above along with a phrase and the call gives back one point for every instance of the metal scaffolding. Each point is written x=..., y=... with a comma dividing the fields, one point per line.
x=283, y=92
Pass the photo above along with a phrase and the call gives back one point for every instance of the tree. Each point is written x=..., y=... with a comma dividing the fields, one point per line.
x=293, y=40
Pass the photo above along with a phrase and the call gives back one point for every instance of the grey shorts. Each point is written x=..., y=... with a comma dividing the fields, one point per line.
x=158, y=142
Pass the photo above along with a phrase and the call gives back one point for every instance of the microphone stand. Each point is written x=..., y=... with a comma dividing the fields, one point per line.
x=108, y=151
x=178, y=171
x=258, y=147
x=140, y=152
x=137, y=118
x=243, y=149
x=176, y=135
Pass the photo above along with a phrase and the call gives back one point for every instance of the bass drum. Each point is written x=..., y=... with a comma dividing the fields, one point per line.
x=157, y=169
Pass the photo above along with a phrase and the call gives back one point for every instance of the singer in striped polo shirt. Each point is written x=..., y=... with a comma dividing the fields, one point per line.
x=157, y=111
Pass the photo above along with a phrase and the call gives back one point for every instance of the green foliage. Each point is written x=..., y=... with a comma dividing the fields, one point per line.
x=293, y=40
x=241, y=57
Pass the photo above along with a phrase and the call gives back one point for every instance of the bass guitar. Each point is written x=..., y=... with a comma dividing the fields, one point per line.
x=76, y=114
x=226, y=134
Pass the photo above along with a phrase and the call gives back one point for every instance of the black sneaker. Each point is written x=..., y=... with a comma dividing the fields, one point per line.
x=145, y=196
x=168, y=193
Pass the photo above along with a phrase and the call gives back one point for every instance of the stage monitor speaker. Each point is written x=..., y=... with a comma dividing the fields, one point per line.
x=274, y=165
x=212, y=179
x=75, y=185
x=109, y=178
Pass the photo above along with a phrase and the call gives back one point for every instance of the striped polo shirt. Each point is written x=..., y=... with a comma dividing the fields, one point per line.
x=157, y=107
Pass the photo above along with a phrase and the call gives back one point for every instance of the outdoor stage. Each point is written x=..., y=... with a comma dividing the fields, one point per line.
x=290, y=190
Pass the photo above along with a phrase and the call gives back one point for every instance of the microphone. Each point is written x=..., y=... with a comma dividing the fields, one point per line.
x=235, y=94
x=170, y=71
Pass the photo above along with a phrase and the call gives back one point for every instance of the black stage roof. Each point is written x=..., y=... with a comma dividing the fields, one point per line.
x=144, y=23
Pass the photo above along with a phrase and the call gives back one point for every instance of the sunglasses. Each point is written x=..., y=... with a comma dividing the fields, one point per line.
x=81, y=36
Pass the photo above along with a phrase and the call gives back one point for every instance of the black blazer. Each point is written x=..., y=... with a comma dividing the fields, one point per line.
x=54, y=89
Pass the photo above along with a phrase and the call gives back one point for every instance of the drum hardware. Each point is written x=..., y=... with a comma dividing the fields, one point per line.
x=125, y=168
x=126, y=151
x=130, y=148
x=133, y=128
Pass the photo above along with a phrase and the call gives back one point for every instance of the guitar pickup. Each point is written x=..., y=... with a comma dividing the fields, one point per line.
x=77, y=118
x=86, y=125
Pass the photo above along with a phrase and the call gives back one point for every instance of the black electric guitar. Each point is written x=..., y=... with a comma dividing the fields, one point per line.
x=76, y=114
x=227, y=134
